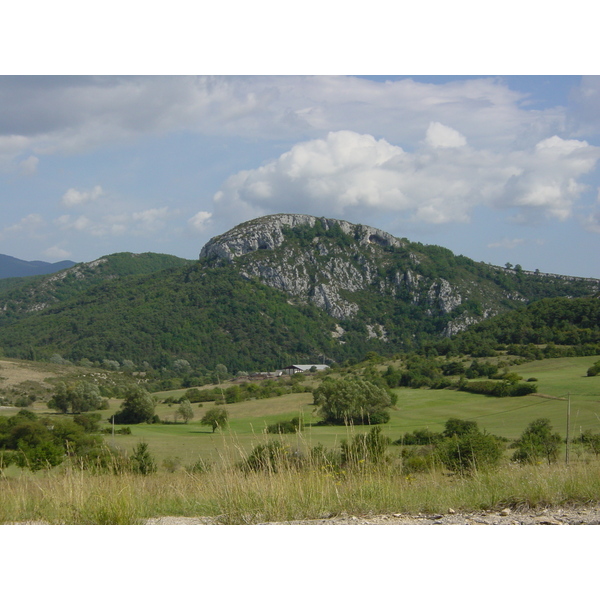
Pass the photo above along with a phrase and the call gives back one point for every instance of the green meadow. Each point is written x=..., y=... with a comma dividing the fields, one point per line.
x=415, y=409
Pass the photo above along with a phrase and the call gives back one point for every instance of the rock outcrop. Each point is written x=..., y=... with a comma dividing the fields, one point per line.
x=346, y=270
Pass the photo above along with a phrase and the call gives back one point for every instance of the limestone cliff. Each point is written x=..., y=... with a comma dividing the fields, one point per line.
x=360, y=273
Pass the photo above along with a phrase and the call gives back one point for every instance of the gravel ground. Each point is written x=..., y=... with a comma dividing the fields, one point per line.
x=551, y=516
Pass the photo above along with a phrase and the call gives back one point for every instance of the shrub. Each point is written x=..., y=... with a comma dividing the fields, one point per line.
x=272, y=457
x=142, y=461
x=465, y=449
x=537, y=442
x=470, y=452
x=417, y=461
x=292, y=426
x=365, y=448
x=594, y=370
x=419, y=437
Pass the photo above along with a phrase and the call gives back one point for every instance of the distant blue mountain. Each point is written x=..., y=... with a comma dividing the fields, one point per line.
x=15, y=267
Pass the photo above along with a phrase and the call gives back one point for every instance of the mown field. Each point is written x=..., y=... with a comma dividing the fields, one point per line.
x=416, y=409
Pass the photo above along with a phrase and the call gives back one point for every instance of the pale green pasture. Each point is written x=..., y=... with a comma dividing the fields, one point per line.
x=416, y=409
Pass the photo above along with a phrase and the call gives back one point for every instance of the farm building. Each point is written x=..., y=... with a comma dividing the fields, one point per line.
x=291, y=369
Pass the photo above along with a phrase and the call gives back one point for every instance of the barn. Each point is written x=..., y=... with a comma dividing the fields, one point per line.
x=291, y=369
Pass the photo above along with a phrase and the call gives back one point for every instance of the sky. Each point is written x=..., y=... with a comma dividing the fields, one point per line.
x=497, y=168
x=502, y=168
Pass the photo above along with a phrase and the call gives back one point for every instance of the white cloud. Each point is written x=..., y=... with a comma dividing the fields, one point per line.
x=200, y=221
x=56, y=253
x=151, y=220
x=547, y=178
x=28, y=226
x=440, y=136
x=29, y=165
x=83, y=113
x=73, y=197
x=353, y=175
x=81, y=223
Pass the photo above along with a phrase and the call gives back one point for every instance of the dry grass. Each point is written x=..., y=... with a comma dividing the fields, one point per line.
x=75, y=496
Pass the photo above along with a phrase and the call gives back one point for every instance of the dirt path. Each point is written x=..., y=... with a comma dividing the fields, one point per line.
x=555, y=516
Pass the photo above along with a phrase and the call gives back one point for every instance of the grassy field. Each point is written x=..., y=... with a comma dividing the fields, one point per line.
x=68, y=495
x=416, y=409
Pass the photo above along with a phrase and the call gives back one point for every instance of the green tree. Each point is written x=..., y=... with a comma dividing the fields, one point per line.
x=142, y=461
x=79, y=398
x=215, y=417
x=352, y=401
x=185, y=411
x=137, y=407
x=537, y=442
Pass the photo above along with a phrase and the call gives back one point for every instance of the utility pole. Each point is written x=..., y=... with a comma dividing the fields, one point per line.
x=568, y=427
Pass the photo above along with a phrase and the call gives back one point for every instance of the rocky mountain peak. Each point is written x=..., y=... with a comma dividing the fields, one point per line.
x=267, y=233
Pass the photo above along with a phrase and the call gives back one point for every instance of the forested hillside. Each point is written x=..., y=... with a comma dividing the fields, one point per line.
x=282, y=289
x=21, y=297
x=573, y=322
x=205, y=318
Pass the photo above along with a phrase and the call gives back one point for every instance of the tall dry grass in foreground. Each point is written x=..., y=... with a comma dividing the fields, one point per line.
x=79, y=497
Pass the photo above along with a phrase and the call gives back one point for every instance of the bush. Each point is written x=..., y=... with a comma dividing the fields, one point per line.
x=365, y=448
x=142, y=461
x=471, y=452
x=594, y=370
x=417, y=461
x=271, y=457
x=537, y=442
x=292, y=426
x=419, y=437
x=465, y=449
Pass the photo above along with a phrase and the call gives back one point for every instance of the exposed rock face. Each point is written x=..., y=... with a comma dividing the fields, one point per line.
x=343, y=268
x=266, y=233
x=320, y=274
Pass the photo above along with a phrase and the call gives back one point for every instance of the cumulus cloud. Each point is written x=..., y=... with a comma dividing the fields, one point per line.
x=139, y=223
x=547, y=177
x=73, y=197
x=355, y=175
x=441, y=136
x=200, y=221
x=591, y=222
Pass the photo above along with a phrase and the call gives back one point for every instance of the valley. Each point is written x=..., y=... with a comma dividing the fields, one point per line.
x=456, y=352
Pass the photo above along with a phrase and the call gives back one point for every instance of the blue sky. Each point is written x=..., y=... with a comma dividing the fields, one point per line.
x=500, y=169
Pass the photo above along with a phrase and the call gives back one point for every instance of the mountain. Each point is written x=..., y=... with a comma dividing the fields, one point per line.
x=278, y=289
x=26, y=296
x=14, y=267
x=357, y=273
